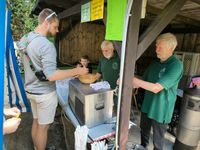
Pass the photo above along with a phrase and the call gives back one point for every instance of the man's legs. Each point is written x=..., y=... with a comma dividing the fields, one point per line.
x=43, y=109
x=34, y=130
x=32, y=99
x=46, y=108
x=41, y=137
x=145, y=125
x=159, y=130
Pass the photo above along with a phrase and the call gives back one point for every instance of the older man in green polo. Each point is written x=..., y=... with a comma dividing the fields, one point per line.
x=109, y=66
x=160, y=82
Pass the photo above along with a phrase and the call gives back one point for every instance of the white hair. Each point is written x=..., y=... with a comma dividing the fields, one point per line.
x=169, y=38
x=107, y=44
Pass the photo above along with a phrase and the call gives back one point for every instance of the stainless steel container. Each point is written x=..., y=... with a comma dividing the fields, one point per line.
x=188, y=134
x=91, y=107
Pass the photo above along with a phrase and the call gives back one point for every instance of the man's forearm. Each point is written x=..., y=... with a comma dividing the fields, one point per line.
x=153, y=87
x=63, y=74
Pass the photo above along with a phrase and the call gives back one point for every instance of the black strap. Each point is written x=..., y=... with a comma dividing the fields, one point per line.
x=39, y=74
x=34, y=93
x=25, y=52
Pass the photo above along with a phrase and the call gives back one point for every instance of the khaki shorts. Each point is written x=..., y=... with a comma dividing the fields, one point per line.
x=44, y=107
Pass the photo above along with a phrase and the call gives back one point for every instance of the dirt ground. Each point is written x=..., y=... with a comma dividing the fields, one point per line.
x=21, y=140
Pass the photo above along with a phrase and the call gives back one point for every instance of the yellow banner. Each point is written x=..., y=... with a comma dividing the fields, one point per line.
x=97, y=8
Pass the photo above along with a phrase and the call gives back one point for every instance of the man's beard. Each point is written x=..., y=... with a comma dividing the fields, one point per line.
x=50, y=34
x=108, y=56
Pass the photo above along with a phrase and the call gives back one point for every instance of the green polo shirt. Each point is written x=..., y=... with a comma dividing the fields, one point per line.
x=109, y=69
x=160, y=106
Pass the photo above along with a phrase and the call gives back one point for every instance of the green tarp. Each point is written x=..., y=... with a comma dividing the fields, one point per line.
x=116, y=10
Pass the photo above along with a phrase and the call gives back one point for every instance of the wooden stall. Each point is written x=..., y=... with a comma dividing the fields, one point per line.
x=78, y=39
x=181, y=17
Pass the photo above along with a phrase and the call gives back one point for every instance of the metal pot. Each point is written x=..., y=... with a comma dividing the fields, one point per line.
x=188, y=134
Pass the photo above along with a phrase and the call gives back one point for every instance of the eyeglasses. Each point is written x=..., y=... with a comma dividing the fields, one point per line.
x=49, y=16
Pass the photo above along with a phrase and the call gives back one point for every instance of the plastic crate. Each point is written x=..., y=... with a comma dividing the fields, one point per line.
x=191, y=62
x=191, y=67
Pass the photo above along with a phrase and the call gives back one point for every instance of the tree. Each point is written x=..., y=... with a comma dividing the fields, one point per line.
x=21, y=22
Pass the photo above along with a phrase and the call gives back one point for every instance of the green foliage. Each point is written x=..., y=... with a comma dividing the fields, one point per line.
x=21, y=22
x=52, y=39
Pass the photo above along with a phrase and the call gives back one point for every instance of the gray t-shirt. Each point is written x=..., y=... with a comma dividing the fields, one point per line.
x=43, y=55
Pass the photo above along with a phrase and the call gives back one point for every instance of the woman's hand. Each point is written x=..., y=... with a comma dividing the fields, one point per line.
x=14, y=112
x=11, y=125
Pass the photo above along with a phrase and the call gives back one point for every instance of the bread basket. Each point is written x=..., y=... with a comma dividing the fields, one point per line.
x=88, y=78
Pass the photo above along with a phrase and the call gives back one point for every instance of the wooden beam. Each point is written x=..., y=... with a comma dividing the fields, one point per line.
x=158, y=25
x=129, y=66
x=60, y=3
x=179, y=17
x=196, y=1
x=76, y=9
x=187, y=20
x=182, y=29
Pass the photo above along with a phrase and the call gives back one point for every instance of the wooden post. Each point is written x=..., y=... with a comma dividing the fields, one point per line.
x=129, y=66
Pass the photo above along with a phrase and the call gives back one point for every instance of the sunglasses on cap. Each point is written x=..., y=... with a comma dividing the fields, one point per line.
x=50, y=15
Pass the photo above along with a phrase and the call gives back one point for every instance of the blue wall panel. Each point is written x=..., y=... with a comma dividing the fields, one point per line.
x=2, y=50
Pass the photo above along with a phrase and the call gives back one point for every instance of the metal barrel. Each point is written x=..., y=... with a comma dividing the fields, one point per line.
x=188, y=134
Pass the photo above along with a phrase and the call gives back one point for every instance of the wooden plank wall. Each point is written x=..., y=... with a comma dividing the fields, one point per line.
x=85, y=39
x=188, y=42
x=81, y=39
